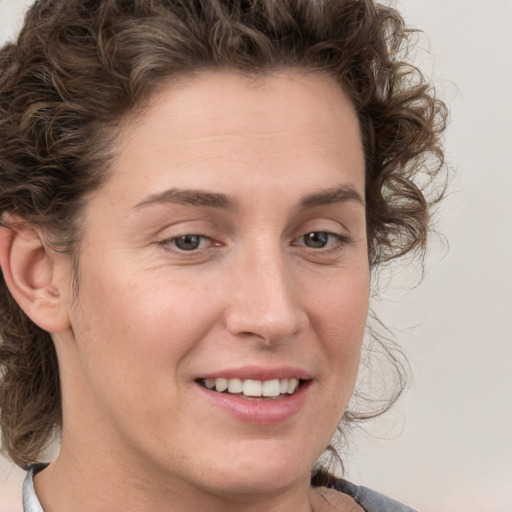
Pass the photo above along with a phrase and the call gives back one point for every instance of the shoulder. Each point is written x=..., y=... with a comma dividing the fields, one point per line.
x=367, y=499
x=324, y=499
x=370, y=500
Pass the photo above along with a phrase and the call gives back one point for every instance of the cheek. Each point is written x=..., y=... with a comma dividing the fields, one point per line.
x=340, y=308
x=339, y=320
x=135, y=328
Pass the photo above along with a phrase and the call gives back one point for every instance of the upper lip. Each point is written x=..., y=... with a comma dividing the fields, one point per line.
x=259, y=373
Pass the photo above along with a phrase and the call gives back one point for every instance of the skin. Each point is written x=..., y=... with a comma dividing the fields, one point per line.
x=151, y=318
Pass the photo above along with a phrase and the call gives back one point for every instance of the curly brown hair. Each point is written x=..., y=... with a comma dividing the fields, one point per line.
x=79, y=67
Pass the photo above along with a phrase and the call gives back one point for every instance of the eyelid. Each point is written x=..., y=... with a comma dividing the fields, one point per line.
x=321, y=223
x=339, y=237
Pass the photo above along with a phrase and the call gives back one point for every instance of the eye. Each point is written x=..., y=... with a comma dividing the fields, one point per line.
x=316, y=239
x=320, y=239
x=189, y=242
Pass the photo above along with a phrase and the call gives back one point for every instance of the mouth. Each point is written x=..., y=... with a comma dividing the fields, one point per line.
x=253, y=389
x=258, y=396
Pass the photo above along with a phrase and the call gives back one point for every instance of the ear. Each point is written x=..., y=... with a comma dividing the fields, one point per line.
x=28, y=266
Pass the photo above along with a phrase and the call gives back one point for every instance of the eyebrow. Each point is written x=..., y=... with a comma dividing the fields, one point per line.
x=341, y=194
x=192, y=197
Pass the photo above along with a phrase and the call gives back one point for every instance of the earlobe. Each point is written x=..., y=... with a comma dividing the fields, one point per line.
x=28, y=269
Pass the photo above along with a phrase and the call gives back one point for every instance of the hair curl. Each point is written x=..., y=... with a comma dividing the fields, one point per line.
x=79, y=67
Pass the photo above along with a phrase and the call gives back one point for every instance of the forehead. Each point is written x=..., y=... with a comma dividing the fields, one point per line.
x=216, y=123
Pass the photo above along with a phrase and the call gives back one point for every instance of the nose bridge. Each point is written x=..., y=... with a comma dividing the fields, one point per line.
x=266, y=303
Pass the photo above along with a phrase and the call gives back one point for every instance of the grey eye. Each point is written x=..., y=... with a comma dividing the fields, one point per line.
x=316, y=239
x=188, y=242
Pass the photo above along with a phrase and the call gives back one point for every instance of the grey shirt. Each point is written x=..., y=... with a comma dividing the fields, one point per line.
x=370, y=500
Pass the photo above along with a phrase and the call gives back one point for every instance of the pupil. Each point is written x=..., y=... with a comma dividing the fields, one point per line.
x=188, y=242
x=316, y=239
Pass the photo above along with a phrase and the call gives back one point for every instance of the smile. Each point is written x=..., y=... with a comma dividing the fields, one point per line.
x=251, y=387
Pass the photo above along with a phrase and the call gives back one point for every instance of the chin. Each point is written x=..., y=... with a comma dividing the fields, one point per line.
x=255, y=482
x=268, y=470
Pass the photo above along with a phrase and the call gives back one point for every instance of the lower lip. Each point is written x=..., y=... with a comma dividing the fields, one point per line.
x=259, y=411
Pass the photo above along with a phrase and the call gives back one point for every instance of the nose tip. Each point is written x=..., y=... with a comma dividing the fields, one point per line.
x=268, y=327
x=266, y=306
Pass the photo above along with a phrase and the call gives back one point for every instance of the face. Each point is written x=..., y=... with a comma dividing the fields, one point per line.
x=228, y=249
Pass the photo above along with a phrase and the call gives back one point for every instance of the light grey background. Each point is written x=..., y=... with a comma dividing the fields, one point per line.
x=447, y=446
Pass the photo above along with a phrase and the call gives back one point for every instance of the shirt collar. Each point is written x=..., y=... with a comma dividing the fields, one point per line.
x=30, y=501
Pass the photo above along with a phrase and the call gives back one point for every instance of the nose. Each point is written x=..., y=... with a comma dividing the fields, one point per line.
x=266, y=302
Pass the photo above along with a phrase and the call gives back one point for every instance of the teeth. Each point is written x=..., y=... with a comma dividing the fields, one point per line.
x=271, y=388
x=221, y=385
x=234, y=385
x=250, y=387
x=292, y=385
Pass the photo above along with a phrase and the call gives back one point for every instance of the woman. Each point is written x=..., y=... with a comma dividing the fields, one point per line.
x=193, y=197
